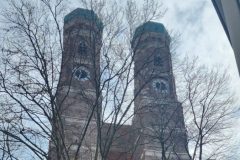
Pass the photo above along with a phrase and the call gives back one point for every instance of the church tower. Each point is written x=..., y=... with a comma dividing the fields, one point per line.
x=78, y=97
x=158, y=116
x=157, y=131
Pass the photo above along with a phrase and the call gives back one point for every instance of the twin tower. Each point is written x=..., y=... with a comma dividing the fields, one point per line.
x=157, y=131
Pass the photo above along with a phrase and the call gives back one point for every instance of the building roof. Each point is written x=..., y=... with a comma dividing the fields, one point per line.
x=86, y=14
x=150, y=27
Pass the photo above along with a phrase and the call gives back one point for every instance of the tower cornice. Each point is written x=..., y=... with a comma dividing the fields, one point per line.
x=84, y=14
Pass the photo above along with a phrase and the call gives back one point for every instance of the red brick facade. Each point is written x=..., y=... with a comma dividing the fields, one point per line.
x=157, y=127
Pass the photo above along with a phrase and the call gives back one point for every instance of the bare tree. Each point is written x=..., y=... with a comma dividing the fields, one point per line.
x=31, y=57
x=208, y=107
x=32, y=103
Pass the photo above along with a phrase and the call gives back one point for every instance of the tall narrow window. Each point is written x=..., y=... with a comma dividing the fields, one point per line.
x=82, y=48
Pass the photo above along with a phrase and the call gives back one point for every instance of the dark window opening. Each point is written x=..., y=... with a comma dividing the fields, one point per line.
x=158, y=85
x=81, y=74
x=82, y=48
x=77, y=73
x=163, y=87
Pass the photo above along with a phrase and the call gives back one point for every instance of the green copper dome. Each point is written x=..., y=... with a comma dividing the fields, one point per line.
x=149, y=27
x=85, y=14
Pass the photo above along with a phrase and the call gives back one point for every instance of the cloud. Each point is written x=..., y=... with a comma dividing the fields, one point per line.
x=202, y=35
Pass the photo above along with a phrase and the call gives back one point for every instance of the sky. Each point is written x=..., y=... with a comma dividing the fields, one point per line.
x=202, y=35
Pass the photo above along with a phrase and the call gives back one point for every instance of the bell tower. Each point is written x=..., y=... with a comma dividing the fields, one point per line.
x=158, y=116
x=78, y=96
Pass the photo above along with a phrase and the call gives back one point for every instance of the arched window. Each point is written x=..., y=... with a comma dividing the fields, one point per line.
x=161, y=86
x=82, y=48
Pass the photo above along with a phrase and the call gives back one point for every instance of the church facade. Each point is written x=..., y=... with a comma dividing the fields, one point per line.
x=157, y=131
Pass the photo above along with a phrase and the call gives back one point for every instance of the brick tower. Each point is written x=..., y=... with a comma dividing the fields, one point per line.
x=157, y=131
x=78, y=96
x=158, y=115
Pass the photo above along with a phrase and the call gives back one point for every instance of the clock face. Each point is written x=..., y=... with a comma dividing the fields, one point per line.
x=81, y=73
x=161, y=86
